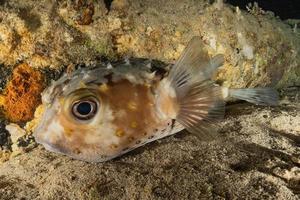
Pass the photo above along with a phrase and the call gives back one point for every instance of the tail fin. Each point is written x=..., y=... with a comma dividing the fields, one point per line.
x=259, y=96
x=200, y=102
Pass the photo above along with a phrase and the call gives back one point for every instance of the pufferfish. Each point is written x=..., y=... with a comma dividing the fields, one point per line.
x=98, y=114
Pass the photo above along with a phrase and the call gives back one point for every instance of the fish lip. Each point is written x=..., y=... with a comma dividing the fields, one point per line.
x=48, y=146
x=55, y=148
x=36, y=138
x=62, y=151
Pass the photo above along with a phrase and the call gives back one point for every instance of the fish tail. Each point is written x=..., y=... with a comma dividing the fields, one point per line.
x=200, y=103
x=258, y=96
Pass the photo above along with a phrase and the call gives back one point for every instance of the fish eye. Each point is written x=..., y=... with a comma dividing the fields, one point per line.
x=84, y=109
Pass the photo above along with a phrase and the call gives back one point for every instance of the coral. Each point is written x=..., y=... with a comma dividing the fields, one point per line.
x=23, y=93
x=85, y=10
x=259, y=49
x=15, y=39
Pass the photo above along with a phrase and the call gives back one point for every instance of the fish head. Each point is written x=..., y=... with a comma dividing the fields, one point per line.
x=77, y=120
x=96, y=115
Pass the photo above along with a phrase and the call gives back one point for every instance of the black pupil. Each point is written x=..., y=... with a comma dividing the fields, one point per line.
x=84, y=108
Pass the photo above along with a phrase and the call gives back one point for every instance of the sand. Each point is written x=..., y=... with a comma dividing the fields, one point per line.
x=256, y=157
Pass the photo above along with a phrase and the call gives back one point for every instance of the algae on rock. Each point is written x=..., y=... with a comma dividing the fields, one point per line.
x=259, y=48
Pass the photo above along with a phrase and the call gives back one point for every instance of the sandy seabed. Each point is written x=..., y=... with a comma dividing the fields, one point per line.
x=256, y=157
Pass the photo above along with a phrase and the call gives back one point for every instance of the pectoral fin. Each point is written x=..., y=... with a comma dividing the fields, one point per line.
x=200, y=102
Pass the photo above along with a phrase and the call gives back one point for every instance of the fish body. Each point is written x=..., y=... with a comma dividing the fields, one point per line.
x=101, y=113
x=128, y=112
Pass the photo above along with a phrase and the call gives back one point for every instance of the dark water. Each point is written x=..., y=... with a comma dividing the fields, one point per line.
x=285, y=9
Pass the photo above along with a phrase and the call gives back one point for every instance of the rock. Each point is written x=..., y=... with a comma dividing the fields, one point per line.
x=259, y=48
x=21, y=141
x=16, y=133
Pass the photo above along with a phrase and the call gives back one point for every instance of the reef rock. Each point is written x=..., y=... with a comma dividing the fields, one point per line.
x=259, y=48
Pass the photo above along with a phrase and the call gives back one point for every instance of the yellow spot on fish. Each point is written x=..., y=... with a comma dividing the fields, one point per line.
x=103, y=87
x=133, y=124
x=113, y=146
x=120, y=132
x=68, y=131
x=132, y=106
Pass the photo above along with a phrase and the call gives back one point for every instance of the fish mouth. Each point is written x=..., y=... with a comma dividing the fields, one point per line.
x=53, y=147
x=83, y=156
x=61, y=148
x=50, y=147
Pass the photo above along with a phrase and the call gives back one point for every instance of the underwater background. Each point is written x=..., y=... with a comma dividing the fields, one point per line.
x=258, y=153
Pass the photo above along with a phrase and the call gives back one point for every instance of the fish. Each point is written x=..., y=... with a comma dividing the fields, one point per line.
x=97, y=114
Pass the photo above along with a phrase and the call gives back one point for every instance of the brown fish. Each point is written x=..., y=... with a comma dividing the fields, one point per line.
x=98, y=114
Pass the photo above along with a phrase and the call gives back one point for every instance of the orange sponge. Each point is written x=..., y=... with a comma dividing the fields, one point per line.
x=23, y=93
